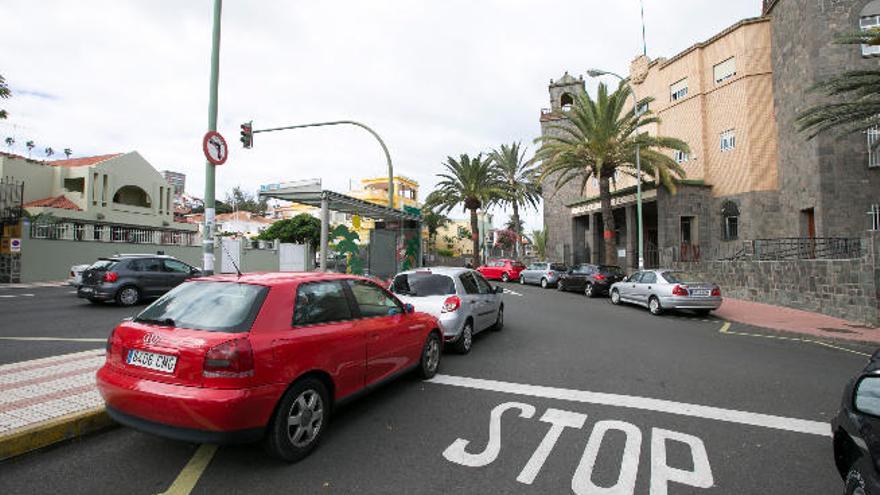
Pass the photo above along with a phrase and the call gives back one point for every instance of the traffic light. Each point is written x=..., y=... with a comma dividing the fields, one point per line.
x=247, y=134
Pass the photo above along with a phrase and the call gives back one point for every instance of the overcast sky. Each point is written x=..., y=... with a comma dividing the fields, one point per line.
x=434, y=78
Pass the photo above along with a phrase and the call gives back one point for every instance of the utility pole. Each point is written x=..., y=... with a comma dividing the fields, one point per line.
x=208, y=230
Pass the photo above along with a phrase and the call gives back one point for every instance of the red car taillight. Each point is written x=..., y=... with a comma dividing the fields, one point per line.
x=599, y=277
x=550, y=273
x=231, y=359
x=111, y=277
x=716, y=292
x=451, y=304
x=679, y=291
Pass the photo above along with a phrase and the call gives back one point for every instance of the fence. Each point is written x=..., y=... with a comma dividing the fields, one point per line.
x=100, y=232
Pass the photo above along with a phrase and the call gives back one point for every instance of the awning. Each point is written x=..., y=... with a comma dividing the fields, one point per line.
x=309, y=195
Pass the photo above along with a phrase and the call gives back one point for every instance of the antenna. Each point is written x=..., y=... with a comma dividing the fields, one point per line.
x=644, y=38
x=230, y=258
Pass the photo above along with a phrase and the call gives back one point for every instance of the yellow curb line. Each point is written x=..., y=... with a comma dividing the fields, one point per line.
x=53, y=431
x=193, y=470
x=725, y=329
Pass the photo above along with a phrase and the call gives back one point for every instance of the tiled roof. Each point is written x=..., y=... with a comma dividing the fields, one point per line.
x=242, y=216
x=83, y=162
x=60, y=202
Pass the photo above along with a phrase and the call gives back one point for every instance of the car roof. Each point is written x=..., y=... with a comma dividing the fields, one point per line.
x=439, y=270
x=279, y=278
x=128, y=256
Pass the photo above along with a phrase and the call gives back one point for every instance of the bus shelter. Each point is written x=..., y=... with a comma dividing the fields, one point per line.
x=395, y=241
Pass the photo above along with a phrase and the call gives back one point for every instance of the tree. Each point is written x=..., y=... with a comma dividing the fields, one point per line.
x=471, y=182
x=433, y=221
x=857, y=95
x=67, y=152
x=518, y=227
x=539, y=241
x=30, y=145
x=598, y=140
x=5, y=93
x=9, y=142
x=507, y=240
x=244, y=201
x=301, y=229
x=49, y=151
x=219, y=208
x=522, y=186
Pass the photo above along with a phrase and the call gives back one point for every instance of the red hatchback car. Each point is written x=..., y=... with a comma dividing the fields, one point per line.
x=229, y=359
x=504, y=270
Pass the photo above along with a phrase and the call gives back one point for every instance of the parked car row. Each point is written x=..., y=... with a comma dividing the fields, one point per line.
x=658, y=290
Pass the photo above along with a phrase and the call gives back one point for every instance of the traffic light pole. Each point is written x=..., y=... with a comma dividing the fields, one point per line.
x=345, y=122
x=208, y=227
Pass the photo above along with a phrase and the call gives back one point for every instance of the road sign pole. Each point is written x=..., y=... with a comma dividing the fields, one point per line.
x=208, y=230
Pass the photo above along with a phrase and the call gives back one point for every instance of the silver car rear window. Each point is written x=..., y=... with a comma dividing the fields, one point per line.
x=680, y=277
x=423, y=284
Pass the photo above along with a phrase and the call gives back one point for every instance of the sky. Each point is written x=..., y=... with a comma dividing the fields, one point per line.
x=433, y=78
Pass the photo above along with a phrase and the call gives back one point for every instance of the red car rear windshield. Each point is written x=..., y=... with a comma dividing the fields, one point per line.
x=211, y=306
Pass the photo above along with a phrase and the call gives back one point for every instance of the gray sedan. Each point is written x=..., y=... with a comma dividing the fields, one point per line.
x=659, y=290
x=542, y=273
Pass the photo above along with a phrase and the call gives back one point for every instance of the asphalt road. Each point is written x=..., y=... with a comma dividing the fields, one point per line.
x=572, y=393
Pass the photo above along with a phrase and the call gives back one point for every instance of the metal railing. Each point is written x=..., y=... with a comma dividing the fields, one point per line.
x=97, y=232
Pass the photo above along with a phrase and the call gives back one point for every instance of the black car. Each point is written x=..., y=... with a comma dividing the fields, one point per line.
x=856, y=432
x=128, y=279
x=592, y=280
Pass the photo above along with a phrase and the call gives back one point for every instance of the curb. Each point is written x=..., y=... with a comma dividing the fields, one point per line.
x=869, y=346
x=29, y=438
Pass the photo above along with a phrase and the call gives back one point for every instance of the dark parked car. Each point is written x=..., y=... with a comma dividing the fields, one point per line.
x=128, y=279
x=592, y=280
x=856, y=445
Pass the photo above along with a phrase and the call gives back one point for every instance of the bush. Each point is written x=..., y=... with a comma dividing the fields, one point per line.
x=445, y=252
x=301, y=229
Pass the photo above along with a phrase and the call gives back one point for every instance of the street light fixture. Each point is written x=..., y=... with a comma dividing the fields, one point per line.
x=598, y=73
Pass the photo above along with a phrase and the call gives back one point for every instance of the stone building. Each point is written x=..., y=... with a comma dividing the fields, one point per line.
x=718, y=97
x=751, y=175
x=829, y=184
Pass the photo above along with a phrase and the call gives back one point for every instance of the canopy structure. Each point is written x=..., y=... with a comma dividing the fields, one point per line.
x=309, y=192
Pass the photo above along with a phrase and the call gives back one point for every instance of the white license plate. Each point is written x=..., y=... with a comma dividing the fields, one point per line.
x=701, y=292
x=151, y=360
x=86, y=290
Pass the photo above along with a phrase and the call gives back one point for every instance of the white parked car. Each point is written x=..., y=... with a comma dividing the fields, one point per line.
x=460, y=298
x=75, y=276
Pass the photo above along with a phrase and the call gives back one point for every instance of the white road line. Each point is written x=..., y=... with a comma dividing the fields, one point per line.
x=9, y=296
x=643, y=403
x=512, y=293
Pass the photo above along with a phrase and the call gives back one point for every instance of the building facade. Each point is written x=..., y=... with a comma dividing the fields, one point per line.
x=177, y=180
x=718, y=97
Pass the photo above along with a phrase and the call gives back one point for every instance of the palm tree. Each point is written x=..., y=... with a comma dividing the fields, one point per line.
x=4, y=93
x=49, y=151
x=433, y=221
x=68, y=152
x=521, y=182
x=539, y=240
x=30, y=145
x=9, y=142
x=599, y=140
x=471, y=182
x=858, y=93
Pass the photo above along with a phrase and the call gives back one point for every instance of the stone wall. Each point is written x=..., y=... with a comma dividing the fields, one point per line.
x=847, y=289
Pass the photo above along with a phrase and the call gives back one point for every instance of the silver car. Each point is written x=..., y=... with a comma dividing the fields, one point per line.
x=460, y=298
x=659, y=290
x=542, y=273
x=75, y=278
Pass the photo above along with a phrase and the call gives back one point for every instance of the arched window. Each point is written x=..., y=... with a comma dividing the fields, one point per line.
x=729, y=221
x=132, y=196
x=869, y=18
x=566, y=101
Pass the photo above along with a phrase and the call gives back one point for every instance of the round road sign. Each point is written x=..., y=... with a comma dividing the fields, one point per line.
x=215, y=148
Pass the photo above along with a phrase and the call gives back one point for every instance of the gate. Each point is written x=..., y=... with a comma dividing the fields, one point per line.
x=11, y=211
x=295, y=257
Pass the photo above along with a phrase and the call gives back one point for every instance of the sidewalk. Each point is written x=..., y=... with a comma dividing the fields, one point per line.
x=47, y=400
x=795, y=321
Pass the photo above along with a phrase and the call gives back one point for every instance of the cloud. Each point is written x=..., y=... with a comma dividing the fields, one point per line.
x=434, y=78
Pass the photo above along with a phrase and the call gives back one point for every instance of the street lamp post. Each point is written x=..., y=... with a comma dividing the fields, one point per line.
x=354, y=123
x=598, y=73
x=208, y=230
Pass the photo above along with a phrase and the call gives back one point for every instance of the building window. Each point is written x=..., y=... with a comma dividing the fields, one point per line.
x=566, y=101
x=873, y=147
x=680, y=156
x=728, y=140
x=730, y=221
x=642, y=108
x=678, y=90
x=869, y=19
x=725, y=70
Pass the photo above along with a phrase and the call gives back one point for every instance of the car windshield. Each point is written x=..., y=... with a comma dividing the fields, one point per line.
x=611, y=270
x=211, y=306
x=680, y=277
x=423, y=284
x=103, y=265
